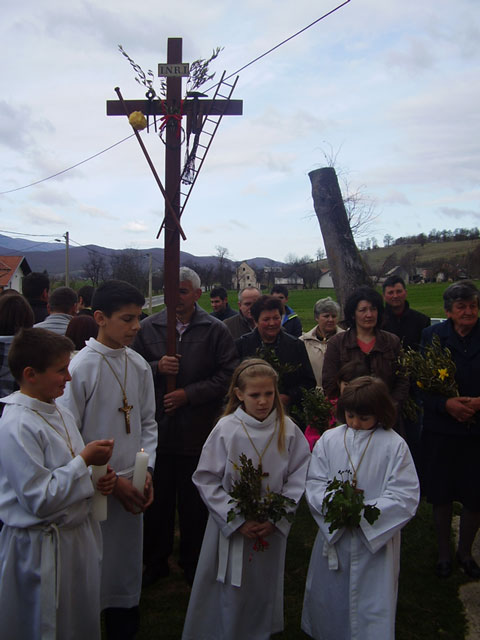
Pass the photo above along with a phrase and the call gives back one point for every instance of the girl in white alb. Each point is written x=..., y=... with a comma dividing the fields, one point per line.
x=352, y=581
x=237, y=592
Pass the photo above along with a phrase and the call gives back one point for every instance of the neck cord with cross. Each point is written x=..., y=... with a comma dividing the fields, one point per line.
x=126, y=408
x=356, y=468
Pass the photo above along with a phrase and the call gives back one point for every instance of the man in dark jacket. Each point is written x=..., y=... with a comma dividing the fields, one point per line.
x=243, y=321
x=291, y=323
x=35, y=288
x=399, y=319
x=203, y=366
x=219, y=301
x=407, y=324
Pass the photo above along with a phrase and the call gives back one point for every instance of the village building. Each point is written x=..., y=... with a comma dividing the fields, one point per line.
x=244, y=276
x=12, y=270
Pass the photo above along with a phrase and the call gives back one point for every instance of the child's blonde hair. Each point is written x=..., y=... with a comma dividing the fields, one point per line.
x=247, y=370
x=368, y=395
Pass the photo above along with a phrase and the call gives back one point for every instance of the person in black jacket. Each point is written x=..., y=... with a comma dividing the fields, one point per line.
x=399, y=318
x=407, y=324
x=291, y=323
x=451, y=430
x=219, y=301
x=291, y=353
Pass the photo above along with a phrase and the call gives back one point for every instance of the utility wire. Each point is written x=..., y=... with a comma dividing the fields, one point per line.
x=277, y=46
x=59, y=173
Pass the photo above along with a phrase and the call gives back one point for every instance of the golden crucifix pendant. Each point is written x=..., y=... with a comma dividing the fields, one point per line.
x=126, y=412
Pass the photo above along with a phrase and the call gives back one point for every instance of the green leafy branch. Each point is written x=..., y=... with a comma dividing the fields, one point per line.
x=251, y=501
x=344, y=504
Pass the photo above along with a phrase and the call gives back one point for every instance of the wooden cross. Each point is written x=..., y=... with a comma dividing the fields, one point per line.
x=174, y=69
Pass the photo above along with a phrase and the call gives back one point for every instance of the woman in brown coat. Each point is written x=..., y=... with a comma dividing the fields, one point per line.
x=365, y=342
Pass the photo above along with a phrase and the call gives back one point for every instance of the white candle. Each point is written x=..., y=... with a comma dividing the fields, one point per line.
x=99, y=504
x=140, y=471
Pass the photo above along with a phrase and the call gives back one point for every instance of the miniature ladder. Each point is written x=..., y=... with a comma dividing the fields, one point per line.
x=216, y=110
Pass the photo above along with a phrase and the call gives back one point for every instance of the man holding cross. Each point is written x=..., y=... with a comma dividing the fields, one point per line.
x=203, y=365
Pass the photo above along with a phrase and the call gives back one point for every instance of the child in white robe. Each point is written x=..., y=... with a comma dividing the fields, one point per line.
x=50, y=547
x=238, y=592
x=352, y=581
x=111, y=394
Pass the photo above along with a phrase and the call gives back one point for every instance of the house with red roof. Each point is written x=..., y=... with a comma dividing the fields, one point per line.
x=12, y=270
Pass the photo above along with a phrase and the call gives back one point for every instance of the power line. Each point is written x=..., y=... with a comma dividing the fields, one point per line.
x=277, y=46
x=59, y=173
x=30, y=235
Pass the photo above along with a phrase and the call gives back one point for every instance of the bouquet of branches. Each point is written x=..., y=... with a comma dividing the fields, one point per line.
x=315, y=410
x=343, y=505
x=432, y=370
x=254, y=504
x=282, y=368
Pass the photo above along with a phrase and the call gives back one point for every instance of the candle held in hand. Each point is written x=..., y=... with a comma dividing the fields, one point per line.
x=140, y=471
x=99, y=502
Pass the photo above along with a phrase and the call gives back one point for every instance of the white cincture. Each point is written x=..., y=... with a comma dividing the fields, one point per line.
x=232, y=548
x=50, y=580
x=330, y=552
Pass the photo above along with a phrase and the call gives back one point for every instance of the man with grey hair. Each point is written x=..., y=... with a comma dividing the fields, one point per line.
x=62, y=306
x=203, y=365
x=243, y=322
x=326, y=312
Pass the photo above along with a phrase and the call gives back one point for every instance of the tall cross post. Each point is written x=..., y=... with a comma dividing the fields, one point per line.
x=174, y=69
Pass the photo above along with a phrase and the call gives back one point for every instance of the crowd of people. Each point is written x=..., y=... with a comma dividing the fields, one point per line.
x=83, y=382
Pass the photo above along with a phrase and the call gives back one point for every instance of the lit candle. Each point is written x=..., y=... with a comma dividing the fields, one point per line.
x=140, y=471
x=99, y=503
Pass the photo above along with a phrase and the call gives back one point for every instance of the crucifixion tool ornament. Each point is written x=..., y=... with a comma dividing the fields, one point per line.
x=168, y=110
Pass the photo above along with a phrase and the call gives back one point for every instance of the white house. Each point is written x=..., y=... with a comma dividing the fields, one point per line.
x=325, y=280
x=12, y=270
x=244, y=276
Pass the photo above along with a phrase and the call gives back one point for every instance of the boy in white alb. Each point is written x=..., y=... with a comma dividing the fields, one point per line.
x=50, y=547
x=111, y=393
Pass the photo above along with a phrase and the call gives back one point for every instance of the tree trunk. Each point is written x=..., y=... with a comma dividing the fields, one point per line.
x=344, y=260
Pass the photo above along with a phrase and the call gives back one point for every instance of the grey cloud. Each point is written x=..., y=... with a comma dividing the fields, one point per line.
x=452, y=212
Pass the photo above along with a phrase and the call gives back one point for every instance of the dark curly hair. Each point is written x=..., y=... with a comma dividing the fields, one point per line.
x=363, y=293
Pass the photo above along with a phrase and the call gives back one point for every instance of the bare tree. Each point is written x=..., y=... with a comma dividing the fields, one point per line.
x=348, y=270
x=96, y=268
x=359, y=207
x=224, y=270
x=129, y=265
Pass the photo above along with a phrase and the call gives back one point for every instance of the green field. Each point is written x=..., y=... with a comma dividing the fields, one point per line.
x=426, y=298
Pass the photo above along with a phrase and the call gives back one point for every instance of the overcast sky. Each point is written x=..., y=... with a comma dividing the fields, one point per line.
x=390, y=89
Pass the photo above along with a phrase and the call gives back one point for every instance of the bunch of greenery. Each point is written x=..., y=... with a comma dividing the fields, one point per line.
x=315, y=410
x=343, y=505
x=431, y=370
x=253, y=503
x=282, y=368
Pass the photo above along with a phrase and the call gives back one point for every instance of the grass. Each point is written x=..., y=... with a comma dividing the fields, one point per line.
x=426, y=298
x=428, y=608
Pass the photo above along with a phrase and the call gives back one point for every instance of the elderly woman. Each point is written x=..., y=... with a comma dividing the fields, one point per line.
x=365, y=343
x=268, y=334
x=325, y=312
x=451, y=430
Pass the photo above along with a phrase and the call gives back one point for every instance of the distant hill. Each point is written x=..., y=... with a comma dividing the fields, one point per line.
x=50, y=256
x=450, y=252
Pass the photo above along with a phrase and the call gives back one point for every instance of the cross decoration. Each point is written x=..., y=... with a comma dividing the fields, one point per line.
x=172, y=110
